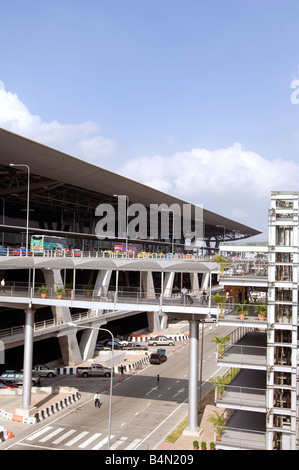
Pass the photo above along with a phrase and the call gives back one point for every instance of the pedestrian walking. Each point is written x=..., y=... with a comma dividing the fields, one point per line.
x=97, y=400
x=3, y=285
x=158, y=380
x=121, y=369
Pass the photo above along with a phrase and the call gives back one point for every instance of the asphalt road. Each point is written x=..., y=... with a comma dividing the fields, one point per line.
x=143, y=411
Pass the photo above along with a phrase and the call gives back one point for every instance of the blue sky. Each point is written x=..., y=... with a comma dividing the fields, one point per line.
x=189, y=96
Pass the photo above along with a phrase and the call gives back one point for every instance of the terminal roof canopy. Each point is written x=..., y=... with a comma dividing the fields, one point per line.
x=52, y=170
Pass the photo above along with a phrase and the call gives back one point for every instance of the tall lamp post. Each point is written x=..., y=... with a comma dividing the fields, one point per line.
x=74, y=325
x=28, y=191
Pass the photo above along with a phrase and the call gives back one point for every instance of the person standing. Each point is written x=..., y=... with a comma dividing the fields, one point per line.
x=97, y=400
x=3, y=284
x=204, y=297
x=184, y=292
x=239, y=296
x=158, y=380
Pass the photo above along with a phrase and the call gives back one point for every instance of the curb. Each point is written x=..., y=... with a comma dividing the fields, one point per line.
x=40, y=415
x=5, y=434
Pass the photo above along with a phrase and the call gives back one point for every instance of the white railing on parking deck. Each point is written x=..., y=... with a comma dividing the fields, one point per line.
x=44, y=324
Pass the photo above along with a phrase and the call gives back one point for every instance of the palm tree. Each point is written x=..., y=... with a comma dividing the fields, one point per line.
x=221, y=343
x=218, y=421
x=224, y=262
x=220, y=300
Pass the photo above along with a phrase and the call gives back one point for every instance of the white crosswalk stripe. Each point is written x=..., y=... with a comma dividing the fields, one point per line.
x=118, y=443
x=133, y=444
x=81, y=439
x=90, y=440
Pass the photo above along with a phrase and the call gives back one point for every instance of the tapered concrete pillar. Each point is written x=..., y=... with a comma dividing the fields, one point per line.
x=88, y=341
x=148, y=284
x=168, y=283
x=69, y=348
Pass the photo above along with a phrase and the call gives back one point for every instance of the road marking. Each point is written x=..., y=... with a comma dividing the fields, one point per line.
x=88, y=441
x=118, y=443
x=102, y=443
x=77, y=438
x=133, y=444
x=64, y=436
x=39, y=433
x=53, y=433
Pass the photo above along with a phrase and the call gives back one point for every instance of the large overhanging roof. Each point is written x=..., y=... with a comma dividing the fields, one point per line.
x=60, y=167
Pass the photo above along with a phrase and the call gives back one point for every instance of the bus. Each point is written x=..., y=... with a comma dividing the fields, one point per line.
x=41, y=243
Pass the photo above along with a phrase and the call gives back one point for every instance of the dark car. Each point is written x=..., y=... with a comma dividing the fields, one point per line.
x=157, y=358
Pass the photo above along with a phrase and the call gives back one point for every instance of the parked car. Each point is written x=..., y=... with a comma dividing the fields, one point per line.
x=136, y=347
x=96, y=370
x=160, y=340
x=100, y=347
x=44, y=371
x=13, y=377
x=158, y=358
x=210, y=319
x=118, y=344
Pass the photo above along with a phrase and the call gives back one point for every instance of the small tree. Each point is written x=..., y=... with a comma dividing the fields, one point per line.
x=223, y=262
x=219, y=423
x=260, y=309
x=242, y=309
x=221, y=343
x=220, y=300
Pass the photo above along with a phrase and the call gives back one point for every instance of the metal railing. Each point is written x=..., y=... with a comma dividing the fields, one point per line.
x=91, y=295
x=16, y=252
x=45, y=324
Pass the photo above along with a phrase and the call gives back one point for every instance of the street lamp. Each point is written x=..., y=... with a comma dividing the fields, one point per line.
x=74, y=325
x=127, y=199
x=28, y=185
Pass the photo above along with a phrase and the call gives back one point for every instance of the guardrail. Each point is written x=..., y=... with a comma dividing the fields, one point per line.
x=45, y=324
x=90, y=295
x=101, y=254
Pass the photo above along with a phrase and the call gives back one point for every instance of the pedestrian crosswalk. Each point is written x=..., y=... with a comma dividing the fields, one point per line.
x=78, y=439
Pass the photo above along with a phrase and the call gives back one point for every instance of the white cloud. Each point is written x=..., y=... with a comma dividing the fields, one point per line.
x=231, y=181
x=81, y=140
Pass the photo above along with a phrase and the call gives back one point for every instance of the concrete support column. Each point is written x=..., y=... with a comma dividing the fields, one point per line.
x=69, y=348
x=153, y=322
x=194, y=283
x=88, y=342
x=148, y=284
x=168, y=283
x=205, y=281
x=193, y=376
x=28, y=355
